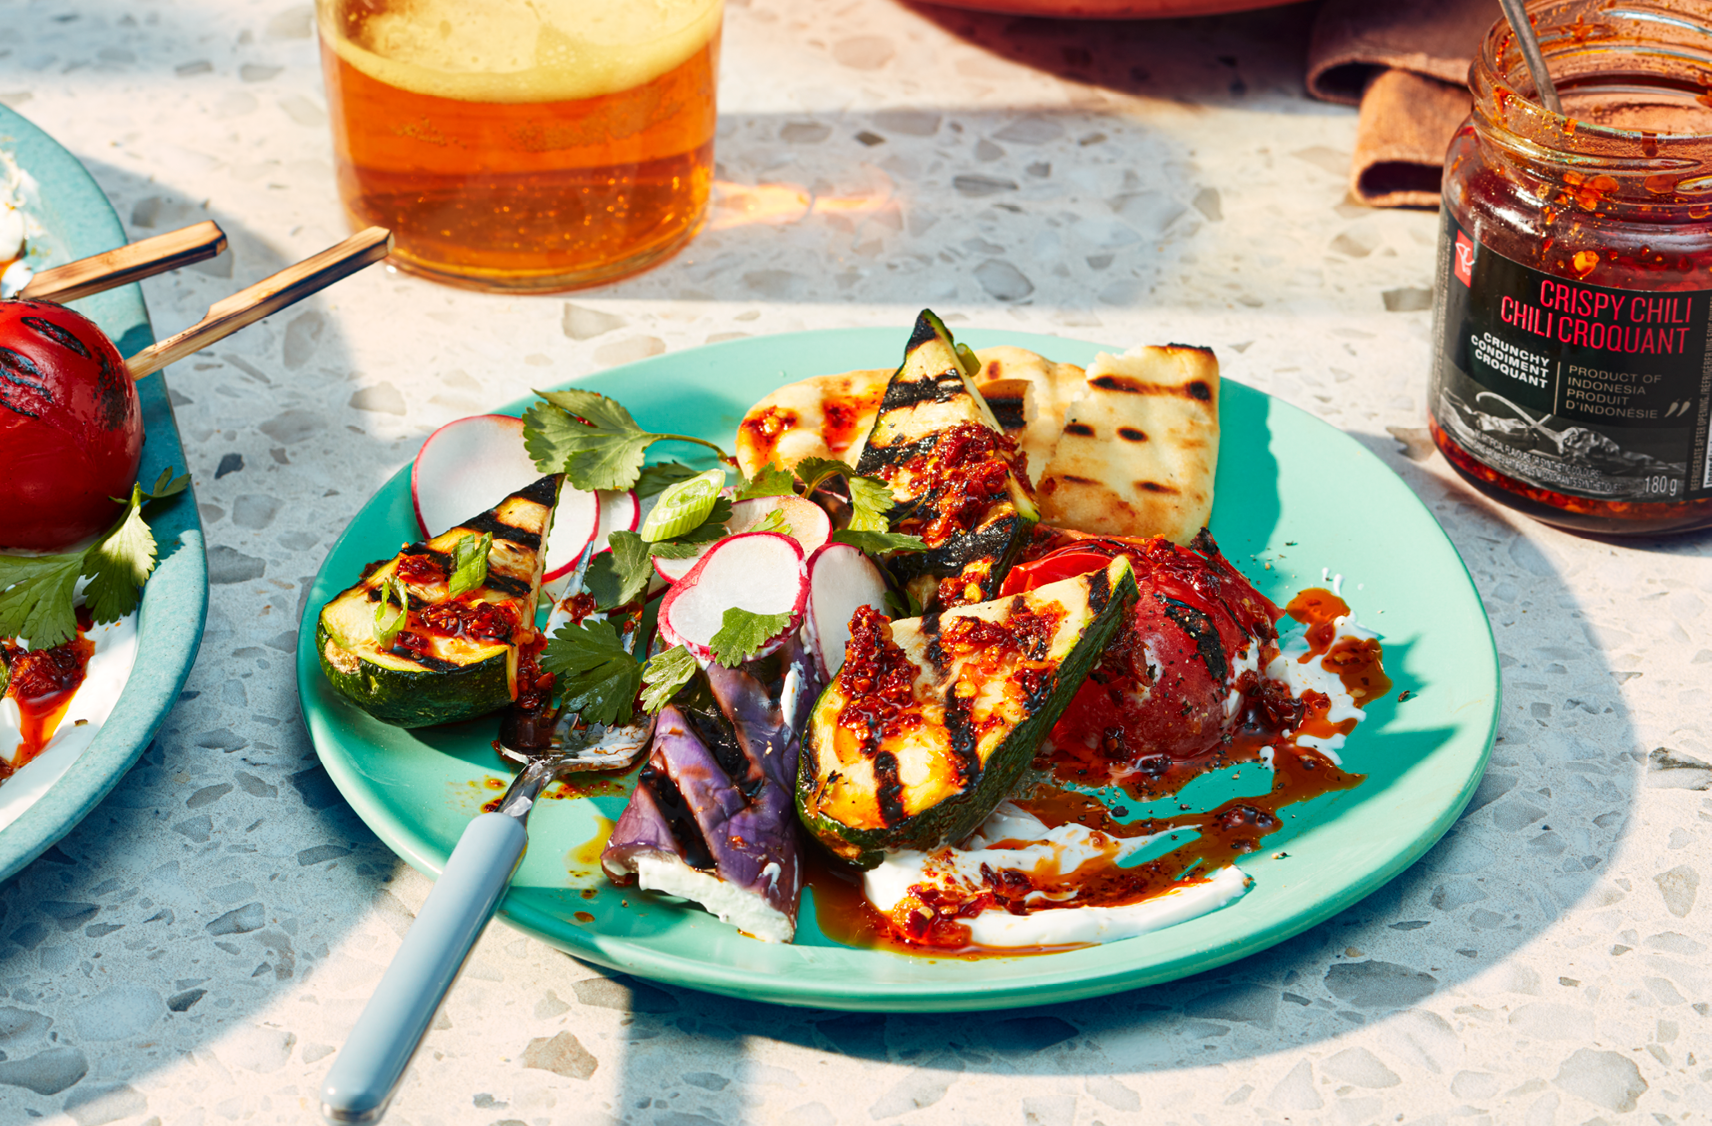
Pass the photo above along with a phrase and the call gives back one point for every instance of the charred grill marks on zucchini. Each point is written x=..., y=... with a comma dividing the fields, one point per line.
x=454, y=657
x=932, y=721
x=955, y=476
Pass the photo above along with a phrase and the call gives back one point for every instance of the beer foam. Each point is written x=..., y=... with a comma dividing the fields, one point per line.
x=512, y=51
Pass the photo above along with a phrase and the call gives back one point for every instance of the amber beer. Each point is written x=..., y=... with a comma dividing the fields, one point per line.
x=515, y=145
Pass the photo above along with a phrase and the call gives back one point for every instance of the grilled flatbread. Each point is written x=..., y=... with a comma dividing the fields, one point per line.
x=822, y=416
x=1029, y=394
x=1140, y=446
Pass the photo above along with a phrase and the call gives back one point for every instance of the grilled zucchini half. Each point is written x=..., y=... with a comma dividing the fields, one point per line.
x=454, y=657
x=932, y=720
x=955, y=474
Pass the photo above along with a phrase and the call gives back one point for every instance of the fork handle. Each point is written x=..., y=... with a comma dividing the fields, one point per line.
x=390, y=1029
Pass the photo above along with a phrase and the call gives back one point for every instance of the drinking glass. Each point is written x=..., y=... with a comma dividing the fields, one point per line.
x=519, y=145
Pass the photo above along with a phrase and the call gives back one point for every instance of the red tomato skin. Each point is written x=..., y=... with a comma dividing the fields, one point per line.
x=71, y=428
x=1132, y=706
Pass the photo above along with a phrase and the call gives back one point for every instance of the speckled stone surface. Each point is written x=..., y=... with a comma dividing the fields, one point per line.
x=195, y=951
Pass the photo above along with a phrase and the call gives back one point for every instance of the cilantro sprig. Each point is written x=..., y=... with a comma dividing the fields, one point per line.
x=663, y=675
x=37, y=591
x=870, y=497
x=879, y=543
x=593, y=440
x=597, y=675
x=741, y=634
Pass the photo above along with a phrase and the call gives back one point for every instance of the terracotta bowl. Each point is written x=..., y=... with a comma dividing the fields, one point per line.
x=1113, y=9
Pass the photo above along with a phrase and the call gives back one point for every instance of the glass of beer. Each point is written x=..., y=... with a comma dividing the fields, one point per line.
x=518, y=145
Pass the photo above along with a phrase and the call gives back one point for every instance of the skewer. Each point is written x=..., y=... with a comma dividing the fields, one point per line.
x=1516, y=11
x=265, y=298
x=115, y=268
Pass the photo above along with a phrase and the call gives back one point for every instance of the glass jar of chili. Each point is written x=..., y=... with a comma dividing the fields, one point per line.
x=1573, y=375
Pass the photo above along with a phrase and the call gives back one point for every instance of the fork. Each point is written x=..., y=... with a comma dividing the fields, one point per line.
x=369, y=1068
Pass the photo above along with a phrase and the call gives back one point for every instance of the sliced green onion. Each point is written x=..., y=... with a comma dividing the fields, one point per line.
x=683, y=506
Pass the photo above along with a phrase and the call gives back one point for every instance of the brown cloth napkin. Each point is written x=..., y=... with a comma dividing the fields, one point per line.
x=1406, y=63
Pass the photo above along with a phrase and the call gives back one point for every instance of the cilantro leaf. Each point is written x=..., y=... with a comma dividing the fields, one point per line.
x=774, y=521
x=166, y=485
x=35, y=597
x=658, y=478
x=596, y=676
x=592, y=407
x=663, y=675
x=619, y=576
x=37, y=592
x=387, y=627
x=591, y=439
x=590, y=457
x=870, y=500
x=119, y=563
x=879, y=543
x=814, y=471
x=742, y=633
x=770, y=482
x=672, y=549
x=469, y=563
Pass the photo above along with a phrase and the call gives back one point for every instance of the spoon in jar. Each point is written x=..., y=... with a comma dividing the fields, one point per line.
x=1516, y=11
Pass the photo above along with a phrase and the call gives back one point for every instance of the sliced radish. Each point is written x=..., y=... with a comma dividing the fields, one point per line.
x=619, y=512
x=841, y=579
x=761, y=572
x=471, y=464
x=809, y=524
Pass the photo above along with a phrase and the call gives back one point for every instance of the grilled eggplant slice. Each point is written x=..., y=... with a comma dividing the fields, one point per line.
x=955, y=474
x=712, y=818
x=454, y=657
x=932, y=720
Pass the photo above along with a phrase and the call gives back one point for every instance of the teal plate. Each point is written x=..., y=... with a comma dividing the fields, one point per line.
x=78, y=221
x=1292, y=492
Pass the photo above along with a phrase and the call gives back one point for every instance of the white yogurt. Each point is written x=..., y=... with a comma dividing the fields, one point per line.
x=109, y=669
x=16, y=226
x=1055, y=852
x=1296, y=667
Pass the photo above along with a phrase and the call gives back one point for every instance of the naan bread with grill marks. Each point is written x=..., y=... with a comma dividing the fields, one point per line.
x=822, y=416
x=1139, y=447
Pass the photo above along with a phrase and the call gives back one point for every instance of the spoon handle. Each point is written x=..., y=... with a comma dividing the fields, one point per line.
x=386, y=1036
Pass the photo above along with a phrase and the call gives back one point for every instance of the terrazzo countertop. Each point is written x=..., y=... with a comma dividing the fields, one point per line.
x=194, y=952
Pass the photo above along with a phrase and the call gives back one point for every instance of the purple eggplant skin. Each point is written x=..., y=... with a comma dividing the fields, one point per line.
x=715, y=797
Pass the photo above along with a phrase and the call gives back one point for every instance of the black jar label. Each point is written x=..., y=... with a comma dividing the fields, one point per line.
x=1575, y=388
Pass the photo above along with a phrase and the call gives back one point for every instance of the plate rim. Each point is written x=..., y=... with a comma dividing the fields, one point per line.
x=1044, y=988
x=174, y=605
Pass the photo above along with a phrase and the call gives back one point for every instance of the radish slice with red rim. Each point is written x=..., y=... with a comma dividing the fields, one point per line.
x=471, y=464
x=841, y=579
x=808, y=523
x=619, y=512
x=761, y=572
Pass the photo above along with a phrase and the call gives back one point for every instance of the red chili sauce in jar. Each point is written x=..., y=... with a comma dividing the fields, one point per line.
x=1573, y=320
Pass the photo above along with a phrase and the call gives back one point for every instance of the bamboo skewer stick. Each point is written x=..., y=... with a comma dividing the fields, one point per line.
x=265, y=298
x=131, y=263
